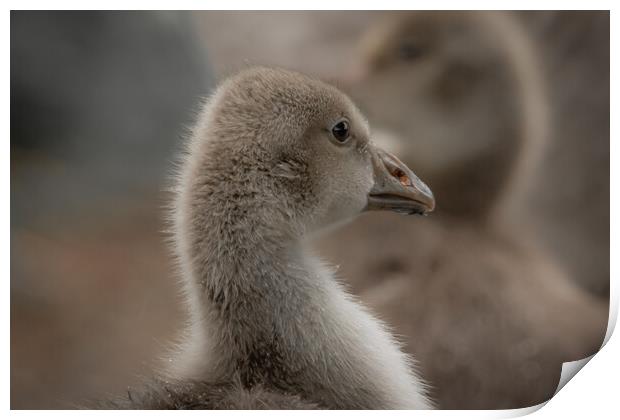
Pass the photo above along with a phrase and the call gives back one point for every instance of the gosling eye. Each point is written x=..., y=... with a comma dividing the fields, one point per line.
x=340, y=131
x=410, y=51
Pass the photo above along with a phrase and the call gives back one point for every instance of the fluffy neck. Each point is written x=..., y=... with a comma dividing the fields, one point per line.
x=266, y=312
x=253, y=283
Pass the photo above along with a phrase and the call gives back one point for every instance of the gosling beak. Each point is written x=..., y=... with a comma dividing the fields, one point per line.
x=396, y=187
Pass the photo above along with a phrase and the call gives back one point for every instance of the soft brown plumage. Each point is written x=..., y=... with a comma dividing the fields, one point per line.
x=484, y=308
x=275, y=157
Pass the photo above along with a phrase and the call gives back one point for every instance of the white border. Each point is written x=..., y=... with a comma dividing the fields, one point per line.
x=315, y=5
x=592, y=394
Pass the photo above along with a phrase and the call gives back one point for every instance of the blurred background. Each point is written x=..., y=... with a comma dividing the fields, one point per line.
x=506, y=115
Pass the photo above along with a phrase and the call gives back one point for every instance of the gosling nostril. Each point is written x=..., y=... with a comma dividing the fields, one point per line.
x=402, y=177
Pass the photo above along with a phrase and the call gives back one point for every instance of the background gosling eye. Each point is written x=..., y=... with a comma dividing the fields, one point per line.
x=341, y=131
x=410, y=51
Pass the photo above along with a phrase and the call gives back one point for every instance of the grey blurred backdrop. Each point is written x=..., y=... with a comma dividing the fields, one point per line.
x=100, y=102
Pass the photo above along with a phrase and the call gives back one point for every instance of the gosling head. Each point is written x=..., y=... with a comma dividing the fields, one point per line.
x=295, y=153
x=447, y=89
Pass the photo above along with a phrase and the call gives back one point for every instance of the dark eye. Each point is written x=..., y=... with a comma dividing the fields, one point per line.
x=341, y=131
x=410, y=51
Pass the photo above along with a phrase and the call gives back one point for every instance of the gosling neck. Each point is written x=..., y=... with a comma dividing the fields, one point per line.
x=246, y=276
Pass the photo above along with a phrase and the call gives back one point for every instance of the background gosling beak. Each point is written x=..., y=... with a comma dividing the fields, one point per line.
x=396, y=187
